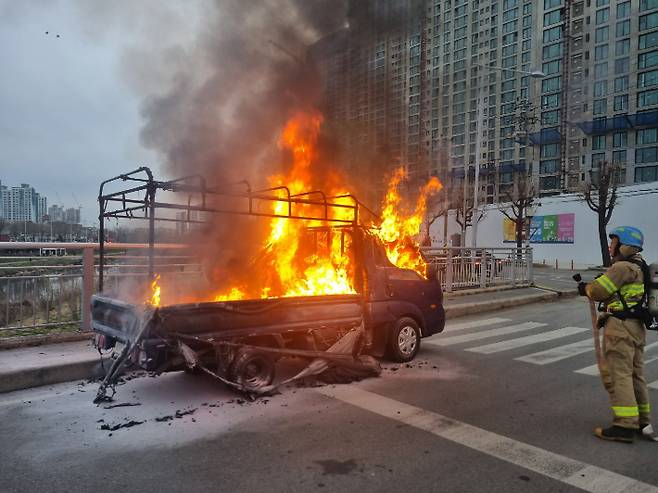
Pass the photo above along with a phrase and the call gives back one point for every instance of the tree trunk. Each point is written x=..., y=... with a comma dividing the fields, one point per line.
x=603, y=239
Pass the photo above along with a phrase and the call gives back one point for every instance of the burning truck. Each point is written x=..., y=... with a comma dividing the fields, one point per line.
x=332, y=282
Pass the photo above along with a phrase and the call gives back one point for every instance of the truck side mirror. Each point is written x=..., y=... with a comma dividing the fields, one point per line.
x=432, y=272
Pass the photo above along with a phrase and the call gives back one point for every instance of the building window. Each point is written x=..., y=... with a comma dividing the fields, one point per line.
x=550, y=117
x=648, y=40
x=552, y=84
x=648, y=5
x=598, y=142
x=597, y=159
x=600, y=70
x=621, y=103
x=549, y=182
x=623, y=10
x=622, y=47
x=549, y=166
x=648, y=21
x=648, y=59
x=553, y=17
x=600, y=88
x=646, y=155
x=602, y=15
x=621, y=84
x=552, y=51
x=549, y=150
x=646, y=173
x=647, y=98
x=619, y=157
x=601, y=52
x=601, y=34
x=621, y=66
x=549, y=4
x=620, y=139
x=623, y=28
x=646, y=136
x=550, y=101
x=599, y=107
x=552, y=34
x=647, y=79
x=601, y=3
x=551, y=67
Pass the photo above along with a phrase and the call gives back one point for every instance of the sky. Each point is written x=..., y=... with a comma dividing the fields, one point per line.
x=68, y=116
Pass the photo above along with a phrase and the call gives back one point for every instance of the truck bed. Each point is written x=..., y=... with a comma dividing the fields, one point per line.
x=227, y=319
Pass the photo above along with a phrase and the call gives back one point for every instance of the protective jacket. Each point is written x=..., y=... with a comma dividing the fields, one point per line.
x=623, y=342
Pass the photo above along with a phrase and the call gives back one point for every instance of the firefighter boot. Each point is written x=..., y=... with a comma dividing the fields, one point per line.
x=646, y=432
x=615, y=433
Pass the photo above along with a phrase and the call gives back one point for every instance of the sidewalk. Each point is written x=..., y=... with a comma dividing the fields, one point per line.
x=27, y=367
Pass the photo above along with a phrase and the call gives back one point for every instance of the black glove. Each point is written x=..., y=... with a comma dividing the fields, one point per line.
x=581, y=288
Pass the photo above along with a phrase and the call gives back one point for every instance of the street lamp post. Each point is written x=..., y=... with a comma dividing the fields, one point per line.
x=537, y=74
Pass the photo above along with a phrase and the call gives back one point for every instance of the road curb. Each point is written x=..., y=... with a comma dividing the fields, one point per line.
x=465, y=309
x=48, y=375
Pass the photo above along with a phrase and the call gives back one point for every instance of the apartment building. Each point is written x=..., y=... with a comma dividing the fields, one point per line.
x=23, y=203
x=440, y=86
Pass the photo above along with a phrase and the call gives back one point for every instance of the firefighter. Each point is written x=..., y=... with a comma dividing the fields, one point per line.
x=621, y=289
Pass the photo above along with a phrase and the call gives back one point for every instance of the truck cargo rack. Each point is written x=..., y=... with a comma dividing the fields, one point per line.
x=232, y=198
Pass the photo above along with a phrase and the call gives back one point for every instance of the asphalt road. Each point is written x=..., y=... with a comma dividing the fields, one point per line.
x=560, y=279
x=498, y=402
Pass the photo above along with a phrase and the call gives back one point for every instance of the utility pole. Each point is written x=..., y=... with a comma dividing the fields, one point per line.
x=478, y=145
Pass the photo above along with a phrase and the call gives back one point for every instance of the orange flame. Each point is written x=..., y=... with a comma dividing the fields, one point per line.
x=397, y=229
x=298, y=261
x=155, y=291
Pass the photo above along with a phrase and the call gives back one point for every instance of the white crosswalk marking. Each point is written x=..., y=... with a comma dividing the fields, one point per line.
x=518, y=342
x=474, y=323
x=650, y=355
x=510, y=329
x=558, y=353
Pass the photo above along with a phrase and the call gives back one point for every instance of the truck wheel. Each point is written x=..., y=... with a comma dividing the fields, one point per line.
x=404, y=340
x=252, y=370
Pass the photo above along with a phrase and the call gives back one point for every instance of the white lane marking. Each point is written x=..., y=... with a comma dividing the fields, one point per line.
x=474, y=323
x=558, y=353
x=476, y=336
x=649, y=351
x=518, y=342
x=569, y=471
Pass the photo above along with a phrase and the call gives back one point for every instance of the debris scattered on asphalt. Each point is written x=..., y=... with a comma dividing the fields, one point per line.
x=123, y=404
x=127, y=424
x=180, y=414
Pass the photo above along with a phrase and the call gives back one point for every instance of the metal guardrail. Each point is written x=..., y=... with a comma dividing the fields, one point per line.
x=59, y=296
x=55, y=297
x=467, y=268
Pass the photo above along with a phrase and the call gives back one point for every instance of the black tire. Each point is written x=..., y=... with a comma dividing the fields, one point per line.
x=404, y=340
x=252, y=370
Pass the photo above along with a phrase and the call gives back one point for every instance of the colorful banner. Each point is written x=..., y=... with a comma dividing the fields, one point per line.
x=556, y=228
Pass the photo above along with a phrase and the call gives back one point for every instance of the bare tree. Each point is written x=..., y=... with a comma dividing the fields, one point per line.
x=465, y=212
x=436, y=207
x=600, y=194
x=516, y=203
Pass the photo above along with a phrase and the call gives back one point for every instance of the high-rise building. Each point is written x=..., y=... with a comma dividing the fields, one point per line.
x=416, y=80
x=72, y=215
x=56, y=213
x=22, y=204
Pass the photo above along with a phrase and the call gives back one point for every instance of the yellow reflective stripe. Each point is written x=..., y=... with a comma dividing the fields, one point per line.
x=630, y=290
x=644, y=408
x=618, y=305
x=607, y=284
x=625, y=411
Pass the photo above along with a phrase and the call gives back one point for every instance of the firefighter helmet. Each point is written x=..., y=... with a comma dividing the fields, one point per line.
x=628, y=235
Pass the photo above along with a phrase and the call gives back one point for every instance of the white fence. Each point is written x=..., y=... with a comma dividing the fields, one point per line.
x=468, y=268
